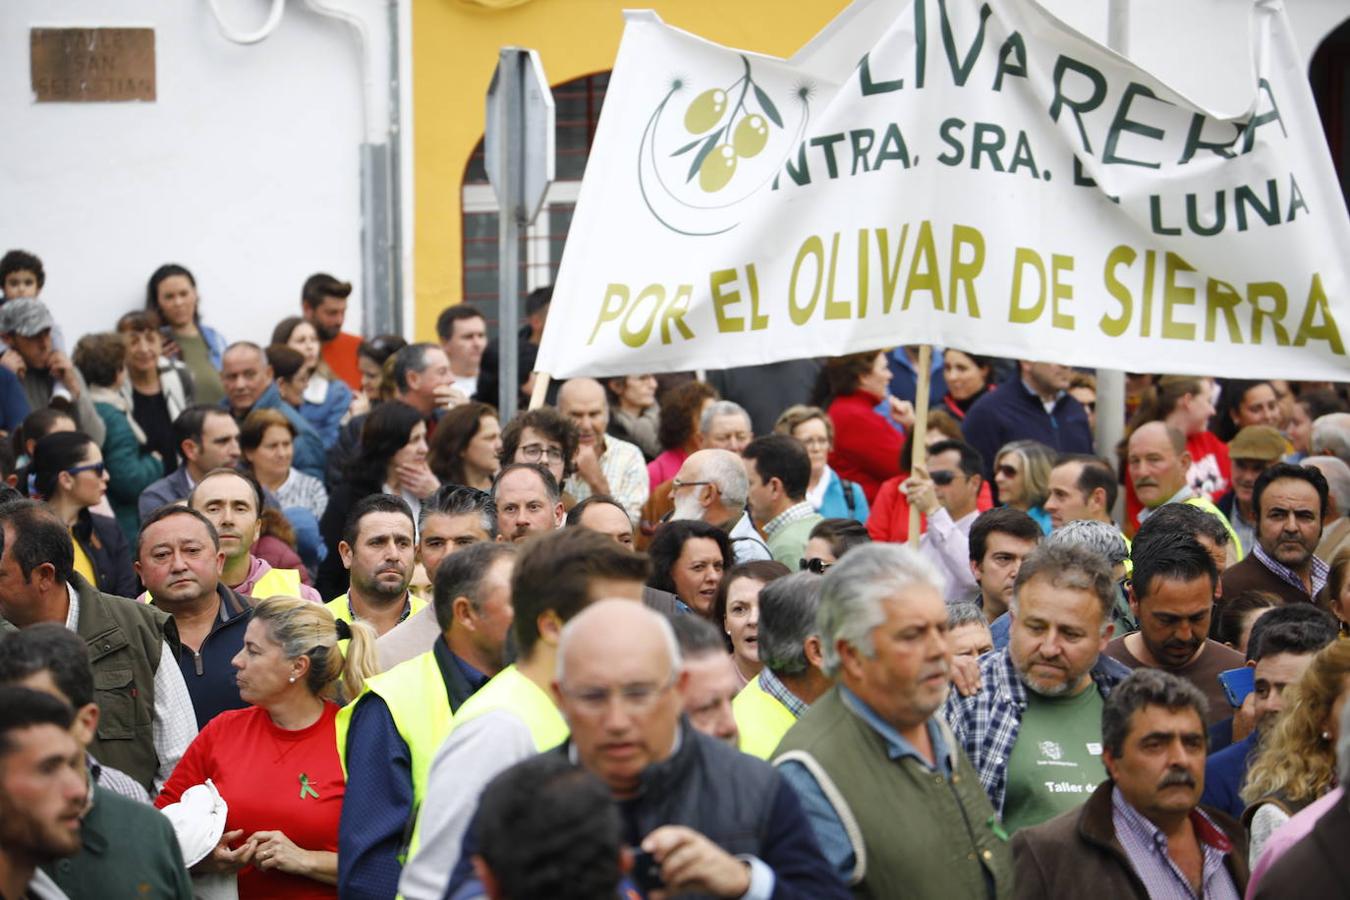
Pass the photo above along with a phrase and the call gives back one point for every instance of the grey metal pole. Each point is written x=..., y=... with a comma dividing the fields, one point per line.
x=1111, y=382
x=510, y=222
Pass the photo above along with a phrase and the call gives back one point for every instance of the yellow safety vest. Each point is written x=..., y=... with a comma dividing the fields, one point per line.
x=341, y=609
x=276, y=583
x=1204, y=503
x=414, y=692
x=511, y=690
x=761, y=718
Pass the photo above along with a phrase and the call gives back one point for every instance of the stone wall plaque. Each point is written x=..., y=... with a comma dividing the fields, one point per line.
x=92, y=65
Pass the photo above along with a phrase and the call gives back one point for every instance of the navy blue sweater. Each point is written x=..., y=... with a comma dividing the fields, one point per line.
x=1010, y=412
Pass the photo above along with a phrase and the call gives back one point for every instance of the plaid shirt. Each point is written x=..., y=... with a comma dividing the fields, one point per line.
x=1320, y=571
x=1146, y=848
x=769, y=683
x=625, y=469
x=986, y=724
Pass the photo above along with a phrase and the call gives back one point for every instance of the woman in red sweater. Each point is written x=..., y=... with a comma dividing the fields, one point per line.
x=275, y=763
x=866, y=446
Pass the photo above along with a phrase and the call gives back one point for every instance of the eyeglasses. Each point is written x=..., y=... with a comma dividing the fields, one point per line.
x=535, y=452
x=814, y=564
x=676, y=484
x=1007, y=471
x=943, y=477
x=634, y=698
x=97, y=468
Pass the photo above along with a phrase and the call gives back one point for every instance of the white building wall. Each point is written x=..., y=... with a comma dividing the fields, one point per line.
x=244, y=169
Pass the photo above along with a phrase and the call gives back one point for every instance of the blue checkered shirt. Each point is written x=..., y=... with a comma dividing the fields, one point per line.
x=769, y=683
x=1320, y=571
x=1146, y=848
x=986, y=724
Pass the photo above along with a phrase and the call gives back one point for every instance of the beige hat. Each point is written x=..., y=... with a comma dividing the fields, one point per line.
x=1258, y=442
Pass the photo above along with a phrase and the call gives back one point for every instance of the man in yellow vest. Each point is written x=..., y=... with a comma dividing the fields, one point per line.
x=1157, y=461
x=513, y=716
x=792, y=678
x=377, y=549
x=715, y=822
x=388, y=735
x=233, y=501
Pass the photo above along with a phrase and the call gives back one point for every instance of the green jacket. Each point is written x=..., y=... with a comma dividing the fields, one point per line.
x=915, y=833
x=127, y=849
x=125, y=639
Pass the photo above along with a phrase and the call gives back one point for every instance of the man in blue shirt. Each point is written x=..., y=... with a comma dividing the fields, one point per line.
x=179, y=560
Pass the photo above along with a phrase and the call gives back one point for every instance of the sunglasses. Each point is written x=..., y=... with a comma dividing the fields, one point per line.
x=943, y=477
x=1007, y=471
x=97, y=468
x=814, y=564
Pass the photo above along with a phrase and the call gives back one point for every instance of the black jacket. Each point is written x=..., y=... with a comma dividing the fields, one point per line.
x=106, y=546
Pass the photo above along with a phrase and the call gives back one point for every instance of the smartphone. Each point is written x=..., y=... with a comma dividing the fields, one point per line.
x=646, y=872
x=1237, y=684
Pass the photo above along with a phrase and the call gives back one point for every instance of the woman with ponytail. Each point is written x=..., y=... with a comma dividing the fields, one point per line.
x=275, y=763
x=1182, y=402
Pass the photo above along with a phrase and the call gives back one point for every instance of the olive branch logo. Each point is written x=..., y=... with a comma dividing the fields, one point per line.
x=736, y=128
x=715, y=164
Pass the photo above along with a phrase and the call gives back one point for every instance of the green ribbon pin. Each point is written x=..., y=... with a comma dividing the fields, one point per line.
x=306, y=787
x=994, y=825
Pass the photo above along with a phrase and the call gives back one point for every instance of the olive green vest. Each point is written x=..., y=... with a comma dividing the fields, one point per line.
x=124, y=639
x=915, y=834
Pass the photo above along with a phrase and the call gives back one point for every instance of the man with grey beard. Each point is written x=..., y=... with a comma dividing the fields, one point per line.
x=1033, y=730
x=712, y=487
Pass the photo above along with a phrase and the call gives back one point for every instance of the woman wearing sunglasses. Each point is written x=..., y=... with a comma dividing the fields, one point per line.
x=69, y=474
x=1022, y=473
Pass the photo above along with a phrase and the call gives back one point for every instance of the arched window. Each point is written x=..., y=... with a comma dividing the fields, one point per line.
x=578, y=110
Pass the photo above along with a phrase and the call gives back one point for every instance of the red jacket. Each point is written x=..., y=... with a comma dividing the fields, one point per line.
x=866, y=446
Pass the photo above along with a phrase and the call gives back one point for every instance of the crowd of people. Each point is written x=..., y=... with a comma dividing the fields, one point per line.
x=311, y=619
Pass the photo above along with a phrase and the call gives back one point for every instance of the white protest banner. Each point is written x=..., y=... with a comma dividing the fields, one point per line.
x=974, y=175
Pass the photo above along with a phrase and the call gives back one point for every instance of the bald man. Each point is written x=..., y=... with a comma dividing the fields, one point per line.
x=742, y=831
x=1157, y=463
x=604, y=464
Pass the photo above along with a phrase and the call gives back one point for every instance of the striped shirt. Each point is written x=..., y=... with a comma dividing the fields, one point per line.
x=1146, y=848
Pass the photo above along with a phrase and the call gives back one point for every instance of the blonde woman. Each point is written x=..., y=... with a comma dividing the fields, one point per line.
x=1297, y=760
x=275, y=762
x=1022, y=475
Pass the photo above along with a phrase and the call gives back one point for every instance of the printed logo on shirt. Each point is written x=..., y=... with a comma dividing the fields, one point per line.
x=1094, y=748
x=1051, y=750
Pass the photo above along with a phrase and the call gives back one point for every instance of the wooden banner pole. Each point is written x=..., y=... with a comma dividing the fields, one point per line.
x=919, y=434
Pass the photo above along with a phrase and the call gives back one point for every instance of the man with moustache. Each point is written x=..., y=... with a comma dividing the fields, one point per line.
x=43, y=791
x=1142, y=833
x=872, y=753
x=1157, y=462
x=1291, y=503
x=1033, y=731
